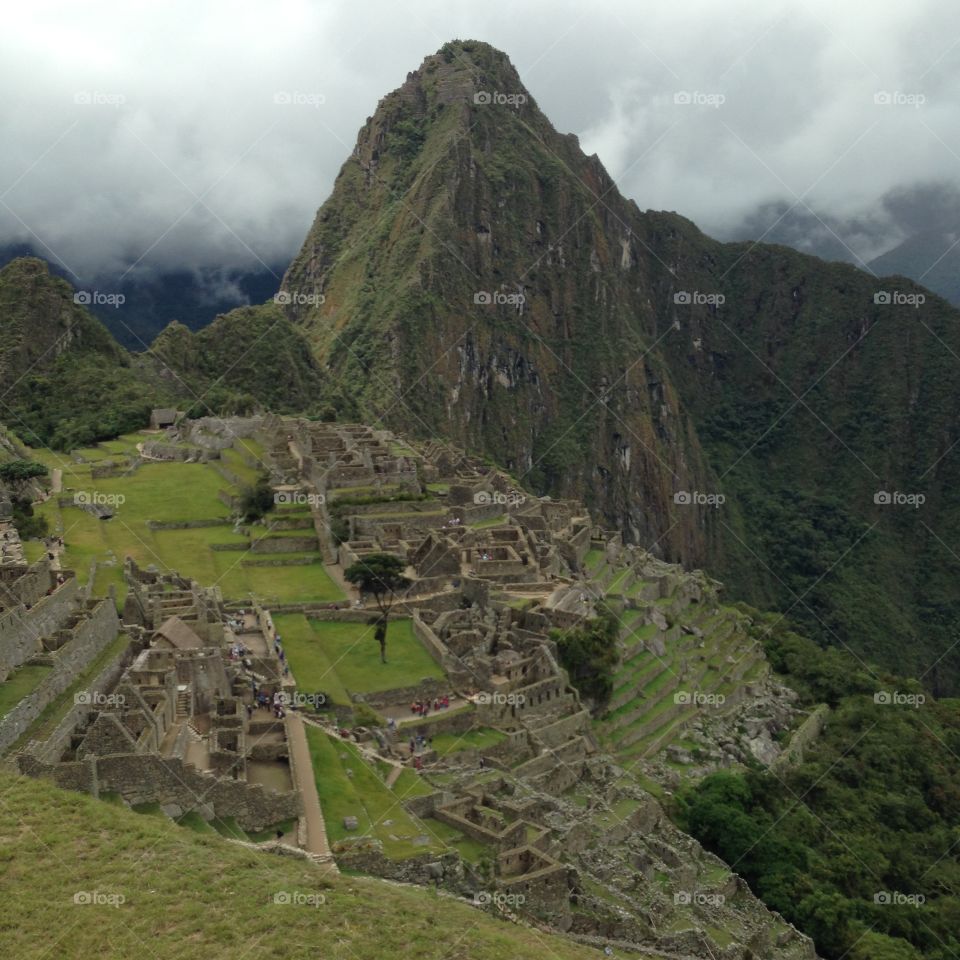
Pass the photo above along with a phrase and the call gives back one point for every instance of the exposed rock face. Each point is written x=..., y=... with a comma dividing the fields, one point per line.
x=475, y=275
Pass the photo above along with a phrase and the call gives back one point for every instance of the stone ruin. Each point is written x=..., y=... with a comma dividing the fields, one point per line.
x=176, y=726
x=495, y=572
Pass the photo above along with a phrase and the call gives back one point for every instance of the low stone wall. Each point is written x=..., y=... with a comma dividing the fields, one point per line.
x=52, y=749
x=155, y=450
x=564, y=729
x=434, y=645
x=270, y=544
x=428, y=688
x=90, y=638
x=423, y=869
x=187, y=524
x=803, y=736
x=174, y=784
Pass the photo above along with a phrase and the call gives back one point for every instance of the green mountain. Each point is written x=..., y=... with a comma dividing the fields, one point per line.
x=66, y=381
x=474, y=274
x=250, y=357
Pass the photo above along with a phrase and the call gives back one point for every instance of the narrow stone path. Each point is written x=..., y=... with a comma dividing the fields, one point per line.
x=393, y=776
x=312, y=813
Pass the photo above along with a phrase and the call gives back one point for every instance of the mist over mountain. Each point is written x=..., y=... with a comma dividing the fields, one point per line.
x=913, y=231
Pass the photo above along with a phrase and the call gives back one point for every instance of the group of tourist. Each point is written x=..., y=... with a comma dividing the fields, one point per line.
x=421, y=708
x=452, y=522
x=264, y=701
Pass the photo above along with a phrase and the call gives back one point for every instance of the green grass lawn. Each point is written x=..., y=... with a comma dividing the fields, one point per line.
x=379, y=810
x=307, y=655
x=236, y=463
x=175, y=492
x=22, y=681
x=352, y=653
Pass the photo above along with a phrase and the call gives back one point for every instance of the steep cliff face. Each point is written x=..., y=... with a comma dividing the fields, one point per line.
x=475, y=275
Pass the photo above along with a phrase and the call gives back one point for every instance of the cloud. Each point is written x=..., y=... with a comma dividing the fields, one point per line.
x=182, y=135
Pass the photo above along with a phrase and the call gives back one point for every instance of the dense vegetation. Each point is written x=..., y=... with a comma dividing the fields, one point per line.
x=589, y=655
x=855, y=844
x=250, y=358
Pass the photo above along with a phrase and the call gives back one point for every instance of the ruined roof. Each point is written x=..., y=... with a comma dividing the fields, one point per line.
x=178, y=634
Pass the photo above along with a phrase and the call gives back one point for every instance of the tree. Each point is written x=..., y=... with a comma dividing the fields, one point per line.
x=589, y=655
x=380, y=574
x=17, y=473
x=257, y=500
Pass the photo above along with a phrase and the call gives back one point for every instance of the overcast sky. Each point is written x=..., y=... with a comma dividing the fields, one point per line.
x=150, y=132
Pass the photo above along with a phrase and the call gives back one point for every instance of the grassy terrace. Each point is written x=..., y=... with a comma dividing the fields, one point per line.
x=22, y=681
x=492, y=522
x=174, y=492
x=482, y=739
x=194, y=896
x=362, y=794
x=337, y=658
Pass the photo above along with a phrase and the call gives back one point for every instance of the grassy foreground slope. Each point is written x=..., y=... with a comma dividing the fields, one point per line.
x=199, y=897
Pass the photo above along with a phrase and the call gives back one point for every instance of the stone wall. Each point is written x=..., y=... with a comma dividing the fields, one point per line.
x=90, y=637
x=428, y=688
x=22, y=629
x=803, y=736
x=177, y=785
x=53, y=748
